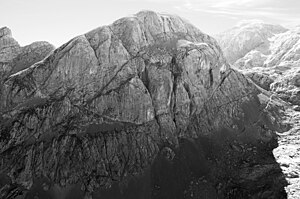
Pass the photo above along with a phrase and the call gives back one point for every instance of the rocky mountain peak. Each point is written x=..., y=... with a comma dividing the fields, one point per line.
x=9, y=47
x=4, y=31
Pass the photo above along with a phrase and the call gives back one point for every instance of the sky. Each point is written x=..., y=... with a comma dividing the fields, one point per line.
x=58, y=21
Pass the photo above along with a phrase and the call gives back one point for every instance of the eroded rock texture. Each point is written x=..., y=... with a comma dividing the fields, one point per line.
x=146, y=107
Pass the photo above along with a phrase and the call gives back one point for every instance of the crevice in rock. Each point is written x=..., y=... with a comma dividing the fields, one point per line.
x=219, y=85
x=176, y=79
x=94, y=50
x=145, y=78
x=187, y=89
x=98, y=94
x=211, y=78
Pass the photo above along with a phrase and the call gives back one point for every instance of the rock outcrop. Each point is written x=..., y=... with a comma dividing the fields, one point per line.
x=147, y=107
x=9, y=47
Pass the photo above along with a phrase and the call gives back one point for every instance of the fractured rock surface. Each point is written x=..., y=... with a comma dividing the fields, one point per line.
x=147, y=107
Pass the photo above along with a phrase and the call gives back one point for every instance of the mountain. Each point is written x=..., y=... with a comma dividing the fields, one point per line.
x=147, y=107
x=248, y=38
x=274, y=65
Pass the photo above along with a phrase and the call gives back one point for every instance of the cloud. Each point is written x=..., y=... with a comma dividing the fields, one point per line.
x=272, y=9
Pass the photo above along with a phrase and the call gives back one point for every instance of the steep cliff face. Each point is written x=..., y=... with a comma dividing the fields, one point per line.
x=142, y=108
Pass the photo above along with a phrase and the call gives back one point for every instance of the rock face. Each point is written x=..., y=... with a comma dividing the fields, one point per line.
x=274, y=67
x=146, y=107
x=9, y=47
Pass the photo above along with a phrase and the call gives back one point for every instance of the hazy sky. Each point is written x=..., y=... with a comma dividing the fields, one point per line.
x=57, y=21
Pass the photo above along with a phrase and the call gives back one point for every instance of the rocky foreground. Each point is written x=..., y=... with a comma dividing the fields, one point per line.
x=287, y=154
x=147, y=107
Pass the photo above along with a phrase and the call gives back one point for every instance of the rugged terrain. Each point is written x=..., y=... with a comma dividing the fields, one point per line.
x=268, y=54
x=274, y=65
x=14, y=58
x=147, y=107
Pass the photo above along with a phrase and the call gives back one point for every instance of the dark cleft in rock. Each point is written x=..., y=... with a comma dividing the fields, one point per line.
x=146, y=107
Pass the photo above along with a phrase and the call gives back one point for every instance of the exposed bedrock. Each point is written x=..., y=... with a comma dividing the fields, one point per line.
x=146, y=107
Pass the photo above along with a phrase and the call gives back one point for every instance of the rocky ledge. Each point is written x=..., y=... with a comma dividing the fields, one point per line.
x=147, y=107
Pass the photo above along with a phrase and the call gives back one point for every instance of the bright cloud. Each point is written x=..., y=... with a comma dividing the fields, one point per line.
x=284, y=11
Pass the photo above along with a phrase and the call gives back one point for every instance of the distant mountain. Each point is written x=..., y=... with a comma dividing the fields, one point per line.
x=246, y=39
x=268, y=54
